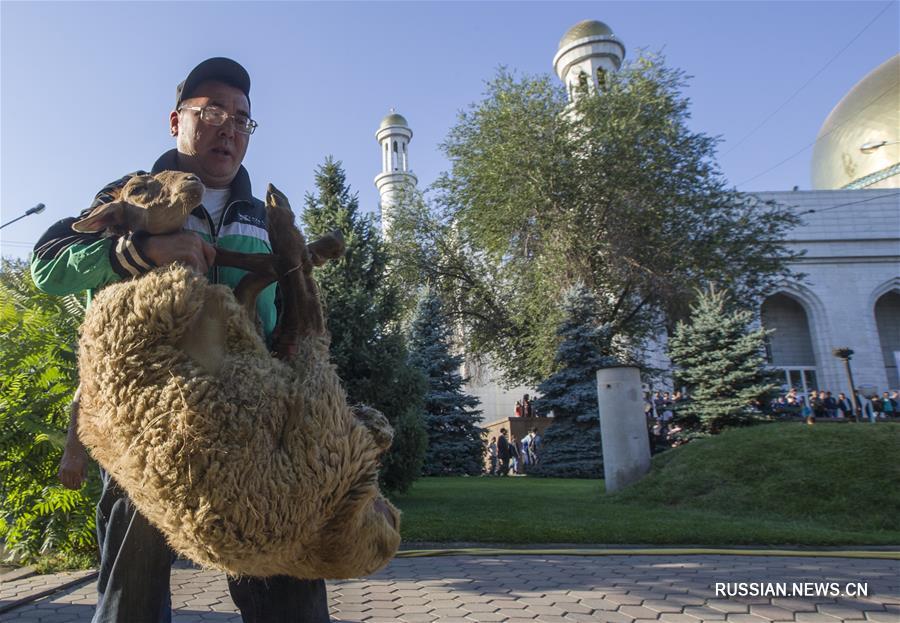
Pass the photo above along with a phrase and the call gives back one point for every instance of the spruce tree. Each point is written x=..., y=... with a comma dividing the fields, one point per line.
x=571, y=446
x=362, y=313
x=455, y=445
x=722, y=363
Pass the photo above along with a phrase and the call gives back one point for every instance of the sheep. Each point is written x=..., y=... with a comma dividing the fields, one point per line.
x=247, y=463
x=156, y=204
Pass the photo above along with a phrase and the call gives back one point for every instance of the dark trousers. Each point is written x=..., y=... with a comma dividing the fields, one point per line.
x=135, y=567
x=504, y=466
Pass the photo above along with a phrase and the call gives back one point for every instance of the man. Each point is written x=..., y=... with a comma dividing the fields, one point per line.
x=492, y=454
x=845, y=406
x=817, y=403
x=831, y=405
x=212, y=125
x=514, y=455
x=527, y=450
x=503, y=451
x=866, y=410
x=535, y=446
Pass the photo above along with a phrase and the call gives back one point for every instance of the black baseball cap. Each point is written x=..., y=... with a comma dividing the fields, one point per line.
x=218, y=68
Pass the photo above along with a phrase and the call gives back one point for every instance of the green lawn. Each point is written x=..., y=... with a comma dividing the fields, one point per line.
x=778, y=484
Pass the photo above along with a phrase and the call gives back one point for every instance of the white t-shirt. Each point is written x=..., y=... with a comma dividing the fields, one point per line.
x=215, y=200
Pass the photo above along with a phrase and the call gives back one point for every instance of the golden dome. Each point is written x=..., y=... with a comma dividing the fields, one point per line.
x=393, y=119
x=868, y=114
x=586, y=28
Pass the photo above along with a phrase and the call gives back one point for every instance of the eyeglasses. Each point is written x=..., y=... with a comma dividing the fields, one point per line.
x=216, y=116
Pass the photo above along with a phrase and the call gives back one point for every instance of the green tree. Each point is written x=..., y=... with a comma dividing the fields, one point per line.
x=38, y=333
x=723, y=364
x=614, y=191
x=455, y=445
x=362, y=311
x=571, y=446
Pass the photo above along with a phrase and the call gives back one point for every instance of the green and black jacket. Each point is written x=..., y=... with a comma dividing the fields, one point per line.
x=67, y=262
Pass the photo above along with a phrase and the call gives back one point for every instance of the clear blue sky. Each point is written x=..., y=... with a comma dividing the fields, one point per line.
x=87, y=87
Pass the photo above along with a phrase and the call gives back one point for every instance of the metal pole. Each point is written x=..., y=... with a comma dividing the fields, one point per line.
x=852, y=388
x=845, y=354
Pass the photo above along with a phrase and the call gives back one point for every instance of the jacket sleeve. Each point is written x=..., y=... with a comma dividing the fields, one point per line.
x=65, y=261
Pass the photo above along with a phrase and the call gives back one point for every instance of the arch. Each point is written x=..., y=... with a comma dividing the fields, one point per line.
x=816, y=327
x=791, y=343
x=887, y=322
x=582, y=80
x=601, y=78
x=883, y=288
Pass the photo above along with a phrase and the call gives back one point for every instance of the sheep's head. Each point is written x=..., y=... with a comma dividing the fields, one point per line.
x=156, y=204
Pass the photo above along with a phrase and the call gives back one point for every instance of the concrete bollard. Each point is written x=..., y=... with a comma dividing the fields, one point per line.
x=623, y=426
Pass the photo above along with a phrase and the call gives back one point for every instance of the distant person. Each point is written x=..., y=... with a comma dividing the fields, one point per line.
x=866, y=411
x=844, y=406
x=887, y=405
x=492, y=454
x=667, y=404
x=806, y=411
x=503, y=453
x=518, y=410
x=818, y=403
x=514, y=455
x=831, y=408
x=527, y=409
x=877, y=406
x=535, y=446
x=526, y=451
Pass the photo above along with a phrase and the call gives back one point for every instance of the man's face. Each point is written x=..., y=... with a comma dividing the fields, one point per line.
x=214, y=153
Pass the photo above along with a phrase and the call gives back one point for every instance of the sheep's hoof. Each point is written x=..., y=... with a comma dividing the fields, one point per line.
x=378, y=425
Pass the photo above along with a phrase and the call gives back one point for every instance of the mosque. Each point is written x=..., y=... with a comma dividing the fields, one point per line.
x=850, y=231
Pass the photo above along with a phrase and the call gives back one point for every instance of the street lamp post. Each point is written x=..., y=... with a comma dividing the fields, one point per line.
x=35, y=210
x=845, y=354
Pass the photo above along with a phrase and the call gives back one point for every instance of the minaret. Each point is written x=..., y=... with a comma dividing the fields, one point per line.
x=587, y=53
x=395, y=178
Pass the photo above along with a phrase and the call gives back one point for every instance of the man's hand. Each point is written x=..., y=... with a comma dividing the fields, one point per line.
x=185, y=247
x=73, y=466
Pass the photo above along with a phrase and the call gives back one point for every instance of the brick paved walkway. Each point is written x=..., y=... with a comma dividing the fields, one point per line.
x=534, y=588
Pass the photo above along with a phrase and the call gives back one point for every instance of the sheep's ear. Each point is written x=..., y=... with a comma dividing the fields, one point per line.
x=101, y=217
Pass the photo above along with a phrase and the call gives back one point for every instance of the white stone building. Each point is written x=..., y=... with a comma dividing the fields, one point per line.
x=851, y=238
x=850, y=233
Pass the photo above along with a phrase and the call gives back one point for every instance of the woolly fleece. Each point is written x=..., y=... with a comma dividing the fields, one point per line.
x=258, y=467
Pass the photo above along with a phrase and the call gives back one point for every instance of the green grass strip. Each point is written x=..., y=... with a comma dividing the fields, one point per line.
x=488, y=551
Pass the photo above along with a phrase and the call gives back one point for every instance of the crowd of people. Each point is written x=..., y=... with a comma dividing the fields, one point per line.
x=660, y=411
x=513, y=454
x=824, y=404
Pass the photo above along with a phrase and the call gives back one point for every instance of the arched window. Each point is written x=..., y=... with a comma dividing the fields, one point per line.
x=887, y=319
x=396, y=157
x=582, y=80
x=790, y=347
x=601, y=78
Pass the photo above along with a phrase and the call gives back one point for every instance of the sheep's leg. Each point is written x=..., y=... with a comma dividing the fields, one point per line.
x=301, y=312
x=261, y=263
x=262, y=270
x=329, y=247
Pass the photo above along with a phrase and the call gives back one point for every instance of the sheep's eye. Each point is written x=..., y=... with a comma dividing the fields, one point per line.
x=139, y=189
